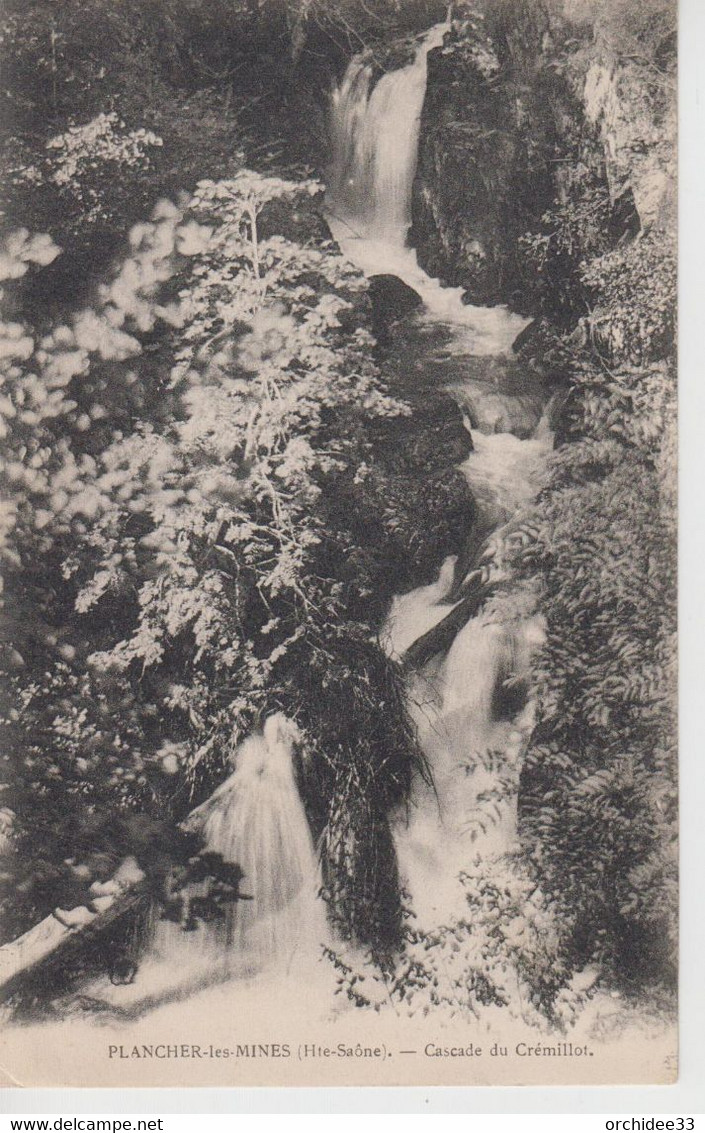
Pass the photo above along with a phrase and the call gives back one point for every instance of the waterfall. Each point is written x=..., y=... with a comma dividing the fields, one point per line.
x=375, y=135
x=256, y=820
x=470, y=706
x=271, y=942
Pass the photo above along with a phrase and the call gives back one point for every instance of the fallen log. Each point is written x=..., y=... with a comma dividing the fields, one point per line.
x=440, y=637
x=472, y=592
x=57, y=940
x=62, y=946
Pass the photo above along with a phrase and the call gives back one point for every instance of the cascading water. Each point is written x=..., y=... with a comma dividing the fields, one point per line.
x=375, y=135
x=256, y=820
x=472, y=718
x=471, y=715
x=269, y=944
x=374, y=149
x=469, y=706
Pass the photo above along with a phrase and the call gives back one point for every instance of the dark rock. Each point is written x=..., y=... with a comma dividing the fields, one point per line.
x=624, y=218
x=393, y=56
x=527, y=336
x=536, y=339
x=391, y=300
x=545, y=351
x=433, y=439
x=493, y=126
x=410, y=510
x=297, y=220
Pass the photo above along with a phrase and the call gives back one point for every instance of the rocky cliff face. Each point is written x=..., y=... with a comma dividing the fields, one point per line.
x=494, y=126
x=636, y=127
x=515, y=102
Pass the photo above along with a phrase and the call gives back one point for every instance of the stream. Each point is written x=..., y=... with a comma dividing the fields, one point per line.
x=267, y=993
x=469, y=705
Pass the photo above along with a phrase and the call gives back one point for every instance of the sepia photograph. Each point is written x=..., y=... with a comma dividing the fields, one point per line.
x=338, y=458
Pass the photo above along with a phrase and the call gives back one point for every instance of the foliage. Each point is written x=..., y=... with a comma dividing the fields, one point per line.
x=504, y=950
x=113, y=852
x=597, y=797
x=645, y=31
x=575, y=229
x=72, y=58
x=634, y=317
x=598, y=785
x=171, y=455
x=82, y=160
x=103, y=114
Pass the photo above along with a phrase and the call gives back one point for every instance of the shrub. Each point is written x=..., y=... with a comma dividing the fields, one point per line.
x=597, y=796
x=506, y=938
x=634, y=316
x=171, y=450
x=575, y=229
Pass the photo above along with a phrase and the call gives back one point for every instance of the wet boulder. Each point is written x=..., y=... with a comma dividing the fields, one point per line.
x=391, y=300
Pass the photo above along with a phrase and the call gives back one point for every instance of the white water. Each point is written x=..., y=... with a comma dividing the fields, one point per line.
x=472, y=738
x=256, y=820
x=375, y=136
x=473, y=731
x=270, y=944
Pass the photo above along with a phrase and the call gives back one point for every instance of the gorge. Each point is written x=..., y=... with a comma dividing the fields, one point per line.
x=367, y=579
